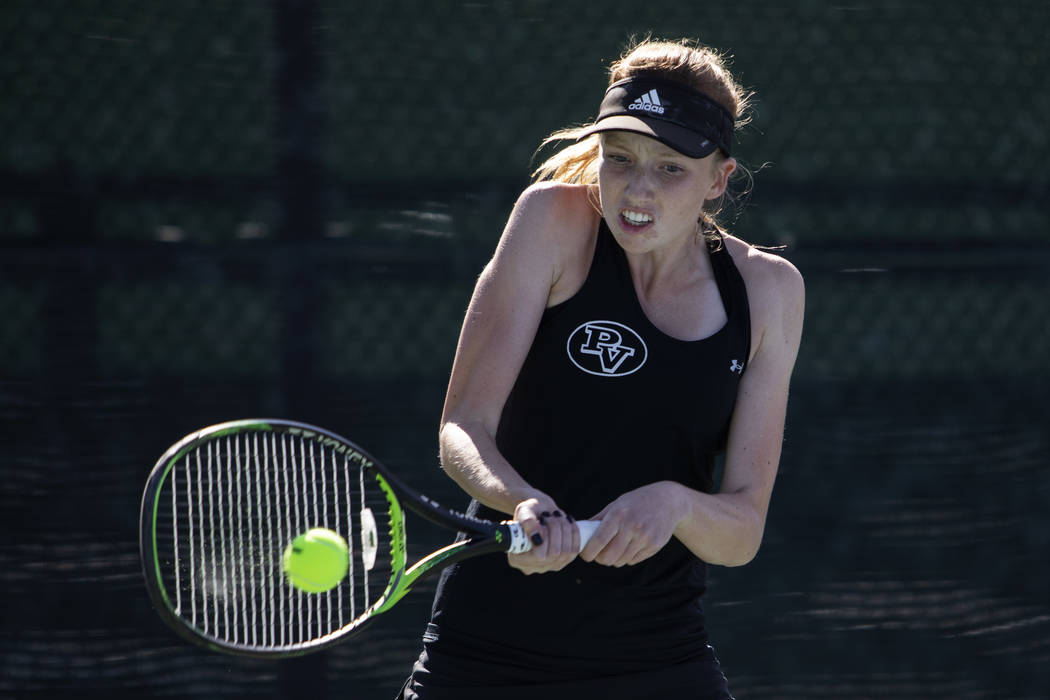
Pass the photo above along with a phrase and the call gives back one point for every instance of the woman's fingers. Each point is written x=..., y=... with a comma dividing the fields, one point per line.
x=558, y=539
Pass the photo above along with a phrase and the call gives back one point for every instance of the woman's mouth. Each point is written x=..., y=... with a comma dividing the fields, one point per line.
x=635, y=219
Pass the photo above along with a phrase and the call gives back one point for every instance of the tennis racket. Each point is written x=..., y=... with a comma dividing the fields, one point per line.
x=222, y=504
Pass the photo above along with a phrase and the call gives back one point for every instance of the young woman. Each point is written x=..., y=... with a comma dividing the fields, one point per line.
x=617, y=342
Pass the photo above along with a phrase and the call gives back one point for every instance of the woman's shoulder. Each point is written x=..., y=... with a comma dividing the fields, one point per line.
x=763, y=269
x=559, y=201
x=775, y=288
x=562, y=216
x=561, y=220
x=550, y=219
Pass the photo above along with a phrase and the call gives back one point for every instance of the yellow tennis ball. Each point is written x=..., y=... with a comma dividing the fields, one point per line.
x=316, y=561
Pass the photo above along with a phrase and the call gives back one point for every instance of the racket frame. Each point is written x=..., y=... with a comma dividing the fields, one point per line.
x=484, y=536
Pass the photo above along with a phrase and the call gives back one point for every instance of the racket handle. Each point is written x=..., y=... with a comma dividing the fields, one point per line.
x=587, y=528
x=521, y=543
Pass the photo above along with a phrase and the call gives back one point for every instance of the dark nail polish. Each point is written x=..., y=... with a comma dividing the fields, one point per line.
x=571, y=519
x=543, y=518
x=537, y=539
x=557, y=514
x=545, y=514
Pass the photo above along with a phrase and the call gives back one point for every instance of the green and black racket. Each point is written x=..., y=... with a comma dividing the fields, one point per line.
x=222, y=505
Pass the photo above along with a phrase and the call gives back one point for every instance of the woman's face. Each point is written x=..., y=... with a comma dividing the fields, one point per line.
x=652, y=195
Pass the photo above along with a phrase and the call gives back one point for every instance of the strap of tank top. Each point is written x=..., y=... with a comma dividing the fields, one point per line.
x=731, y=286
x=606, y=247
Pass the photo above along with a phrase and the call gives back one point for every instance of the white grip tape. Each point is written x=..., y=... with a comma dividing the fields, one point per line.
x=587, y=528
x=520, y=542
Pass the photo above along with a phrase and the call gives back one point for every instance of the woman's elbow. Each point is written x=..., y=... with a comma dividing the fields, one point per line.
x=741, y=556
x=446, y=446
x=745, y=545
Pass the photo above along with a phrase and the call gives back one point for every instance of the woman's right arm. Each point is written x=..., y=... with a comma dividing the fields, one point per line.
x=510, y=297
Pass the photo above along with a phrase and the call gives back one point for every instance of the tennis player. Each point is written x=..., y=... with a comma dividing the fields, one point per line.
x=617, y=342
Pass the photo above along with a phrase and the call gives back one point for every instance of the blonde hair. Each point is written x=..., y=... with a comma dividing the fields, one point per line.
x=685, y=61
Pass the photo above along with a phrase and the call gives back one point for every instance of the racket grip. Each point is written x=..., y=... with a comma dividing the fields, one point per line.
x=587, y=528
x=521, y=543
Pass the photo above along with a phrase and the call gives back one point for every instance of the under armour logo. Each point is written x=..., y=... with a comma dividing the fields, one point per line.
x=606, y=348
x=736, y=366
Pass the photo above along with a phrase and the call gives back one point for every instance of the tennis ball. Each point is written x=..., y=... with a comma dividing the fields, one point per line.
x=316, y=561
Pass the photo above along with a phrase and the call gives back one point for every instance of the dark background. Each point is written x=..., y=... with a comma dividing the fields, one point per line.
x=212, y=210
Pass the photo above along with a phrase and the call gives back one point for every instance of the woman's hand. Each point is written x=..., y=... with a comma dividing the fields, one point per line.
x=555, y=537
x=635, y=526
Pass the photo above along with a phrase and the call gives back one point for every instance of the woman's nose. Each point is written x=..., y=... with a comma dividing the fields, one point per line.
x=640, y=183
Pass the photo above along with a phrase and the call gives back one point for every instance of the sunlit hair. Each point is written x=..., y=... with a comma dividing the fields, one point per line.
x=685, y=61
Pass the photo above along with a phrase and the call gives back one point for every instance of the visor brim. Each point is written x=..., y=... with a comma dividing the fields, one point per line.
x=686, y=141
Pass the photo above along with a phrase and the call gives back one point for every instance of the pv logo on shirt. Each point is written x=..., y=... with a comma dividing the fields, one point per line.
x=607, y=349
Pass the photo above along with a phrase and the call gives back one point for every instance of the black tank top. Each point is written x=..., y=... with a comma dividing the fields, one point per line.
x=605, y=403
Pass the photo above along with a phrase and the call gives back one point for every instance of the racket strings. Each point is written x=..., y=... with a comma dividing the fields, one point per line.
x=236, y=502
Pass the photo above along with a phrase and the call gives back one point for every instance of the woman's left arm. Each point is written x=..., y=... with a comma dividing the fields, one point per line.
x=724, y=528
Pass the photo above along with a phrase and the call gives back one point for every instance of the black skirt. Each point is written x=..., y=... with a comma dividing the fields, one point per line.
x=700, y=679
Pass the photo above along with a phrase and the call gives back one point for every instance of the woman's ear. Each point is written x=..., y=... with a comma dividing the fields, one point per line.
x=723, y=169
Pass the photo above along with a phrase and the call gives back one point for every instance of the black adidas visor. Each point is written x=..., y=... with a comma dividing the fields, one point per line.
x=676, y=115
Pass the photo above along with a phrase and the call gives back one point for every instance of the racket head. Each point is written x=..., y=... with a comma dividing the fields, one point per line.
x=218, y=510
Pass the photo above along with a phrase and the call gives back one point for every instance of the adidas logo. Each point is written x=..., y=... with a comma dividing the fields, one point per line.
x=649, y=102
